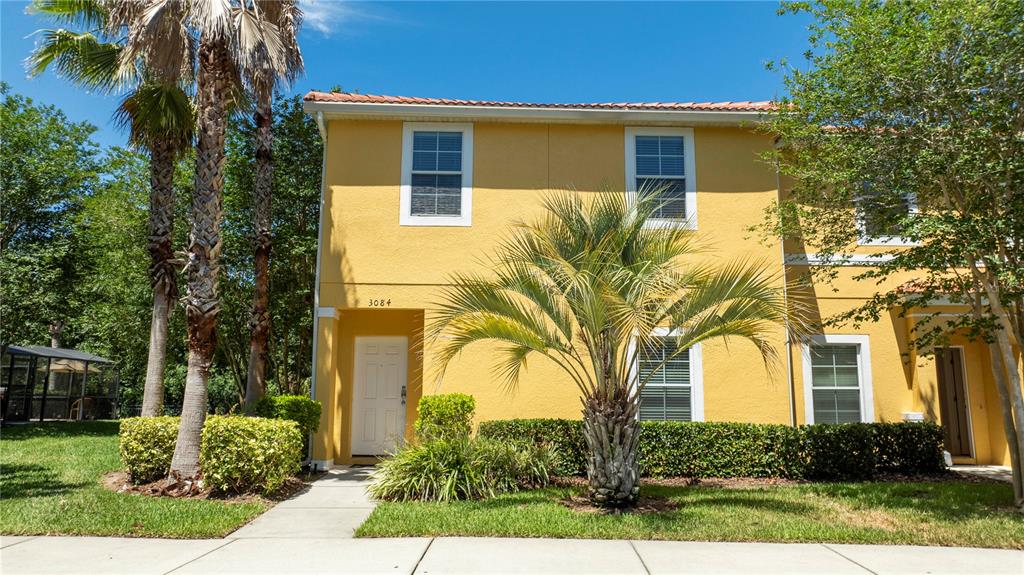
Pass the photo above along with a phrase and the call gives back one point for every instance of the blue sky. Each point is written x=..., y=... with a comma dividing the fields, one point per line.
x=535, y=52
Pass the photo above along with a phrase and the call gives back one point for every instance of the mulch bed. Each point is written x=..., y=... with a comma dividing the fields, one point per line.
x=646, y=504
x=118, y=482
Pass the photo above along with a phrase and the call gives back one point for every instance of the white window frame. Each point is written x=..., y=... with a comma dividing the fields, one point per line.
x=689, y=172
x=864, y=239
x=867, y=396
x=465, y=217
x=696, y=371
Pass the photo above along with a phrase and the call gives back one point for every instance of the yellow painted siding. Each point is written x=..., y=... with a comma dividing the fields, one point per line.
x=366, y=255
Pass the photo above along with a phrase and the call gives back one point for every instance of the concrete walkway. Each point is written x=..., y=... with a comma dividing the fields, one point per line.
x=253, y=555
x=994, y=472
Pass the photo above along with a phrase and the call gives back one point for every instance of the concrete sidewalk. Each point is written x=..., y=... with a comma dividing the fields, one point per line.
x=67, y=555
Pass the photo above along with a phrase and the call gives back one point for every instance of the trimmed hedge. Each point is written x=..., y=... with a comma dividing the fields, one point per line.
x=446, y=416
x=249, y=454
x=147, y=445
x=238, y=454
x=716, y=449
x=298, y=408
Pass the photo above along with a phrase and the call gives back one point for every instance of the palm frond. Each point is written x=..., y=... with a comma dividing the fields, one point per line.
x=80, y=57
x=90, y=14
x=157, y=113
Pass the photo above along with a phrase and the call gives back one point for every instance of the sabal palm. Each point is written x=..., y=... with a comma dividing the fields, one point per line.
x=159, y=118
x=585, y=287
x=225, y=37
x=263, y=75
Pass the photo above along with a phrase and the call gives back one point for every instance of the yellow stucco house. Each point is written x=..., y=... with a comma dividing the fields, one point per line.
x=415, y=189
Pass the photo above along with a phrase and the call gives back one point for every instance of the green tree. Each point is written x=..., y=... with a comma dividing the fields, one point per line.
x=159, y=119
x=228, y=37
x=585, y=287
x=917, y=102
x=48, y=165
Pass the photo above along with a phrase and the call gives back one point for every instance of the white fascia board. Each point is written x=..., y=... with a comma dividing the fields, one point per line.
x=526, y=114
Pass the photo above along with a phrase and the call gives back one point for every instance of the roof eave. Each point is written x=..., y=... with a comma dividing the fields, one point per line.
x=344, y=110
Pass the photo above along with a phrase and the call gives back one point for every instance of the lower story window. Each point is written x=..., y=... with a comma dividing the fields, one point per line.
x=668, y=394
x=836, y=383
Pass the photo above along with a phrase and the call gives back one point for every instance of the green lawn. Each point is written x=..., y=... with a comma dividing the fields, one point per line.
x=50, y=484
x=946, y=513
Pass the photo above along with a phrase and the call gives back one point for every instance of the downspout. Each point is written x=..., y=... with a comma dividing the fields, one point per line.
x=790, y=380
x=316, y=286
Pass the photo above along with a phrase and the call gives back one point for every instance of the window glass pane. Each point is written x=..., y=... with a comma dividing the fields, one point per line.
x=671, y=165
x=883, y=214
x=647, y=146
x=449, y=161
x=449, y=141
x=672, y=145
x=448, y=204
x=824, y=376
x=436, y=195
x=450, y=182
x=673, y=195
x=424, y=141
x=846, y=376
x=425, y=161
x=648, y=166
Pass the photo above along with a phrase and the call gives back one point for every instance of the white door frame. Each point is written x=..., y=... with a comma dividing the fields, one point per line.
x=379, y=443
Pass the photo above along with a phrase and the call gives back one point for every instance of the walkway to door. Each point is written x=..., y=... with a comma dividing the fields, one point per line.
x=332, y=508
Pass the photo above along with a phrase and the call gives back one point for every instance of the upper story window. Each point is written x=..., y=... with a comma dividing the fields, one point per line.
x=437, y=174
x=837, y=380
x=662, y=158
x=673, y=391
x=881, y=218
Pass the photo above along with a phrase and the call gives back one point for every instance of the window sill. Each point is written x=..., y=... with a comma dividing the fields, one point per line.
x=687, y=224
x=435, y=221
x=886, y=241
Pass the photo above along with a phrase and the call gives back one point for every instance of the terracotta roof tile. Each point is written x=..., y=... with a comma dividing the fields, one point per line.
x=692, y=106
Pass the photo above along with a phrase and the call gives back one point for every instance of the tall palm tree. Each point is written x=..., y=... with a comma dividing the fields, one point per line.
x=585, y=287
x=159, y=119
x=226, y=36
x=263, y=75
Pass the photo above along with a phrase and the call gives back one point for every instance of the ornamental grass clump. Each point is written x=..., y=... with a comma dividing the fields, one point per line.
x=460, y=468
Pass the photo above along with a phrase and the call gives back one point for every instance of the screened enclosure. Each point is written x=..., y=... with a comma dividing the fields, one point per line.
x=45, y=384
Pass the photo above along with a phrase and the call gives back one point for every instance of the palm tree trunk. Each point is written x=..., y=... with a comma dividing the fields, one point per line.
x=611, y=430
x=202, y=303
x=259, y=319
x=162, y=273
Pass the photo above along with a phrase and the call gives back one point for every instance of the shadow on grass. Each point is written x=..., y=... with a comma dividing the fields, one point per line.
x=948, y=501
x=23, y=481
x=21, y=431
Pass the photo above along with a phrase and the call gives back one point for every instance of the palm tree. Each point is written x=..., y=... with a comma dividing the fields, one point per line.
x=226, y=36
x=263, y=75
x=585, y=287
x=159, y=119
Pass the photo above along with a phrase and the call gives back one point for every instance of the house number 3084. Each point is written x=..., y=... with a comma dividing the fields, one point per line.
x=380, y=302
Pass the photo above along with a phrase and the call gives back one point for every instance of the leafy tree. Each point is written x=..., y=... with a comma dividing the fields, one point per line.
x=48, y=165
x=918, y=101
x=229, y=37
x=159, y=119
x=585, y=287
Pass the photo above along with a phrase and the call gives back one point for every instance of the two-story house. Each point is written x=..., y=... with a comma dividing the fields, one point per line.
x=415, y=189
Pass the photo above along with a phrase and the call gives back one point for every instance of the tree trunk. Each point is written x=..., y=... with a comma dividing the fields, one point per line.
x=162, y=273
x=1013, y=431
x=611, y=430
x=202, y=303
x=259, y=318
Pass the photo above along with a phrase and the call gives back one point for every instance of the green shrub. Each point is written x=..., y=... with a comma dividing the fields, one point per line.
x=447, y=416
x=565, y=436
x=714, y=449
x=147, y=445
x=249, y=454
x=839, y=451
x=909, y=447
x=456, y=468
x=298, y=408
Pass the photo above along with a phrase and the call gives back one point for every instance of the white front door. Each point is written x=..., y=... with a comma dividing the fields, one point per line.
x=378, y=396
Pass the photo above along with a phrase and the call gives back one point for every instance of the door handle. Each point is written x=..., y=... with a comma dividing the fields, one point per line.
x=403, y=395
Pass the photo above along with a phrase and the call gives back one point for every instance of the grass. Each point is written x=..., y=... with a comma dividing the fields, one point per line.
x=941, y=513
x=50, y=484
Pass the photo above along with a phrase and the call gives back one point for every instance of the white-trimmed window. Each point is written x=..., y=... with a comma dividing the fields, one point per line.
x=881, y=218
x=437, y=174
x=837, y=379
x=674, y=390
x=663, y=158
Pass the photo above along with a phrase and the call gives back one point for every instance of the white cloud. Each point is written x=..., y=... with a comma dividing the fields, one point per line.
x=330, y=16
